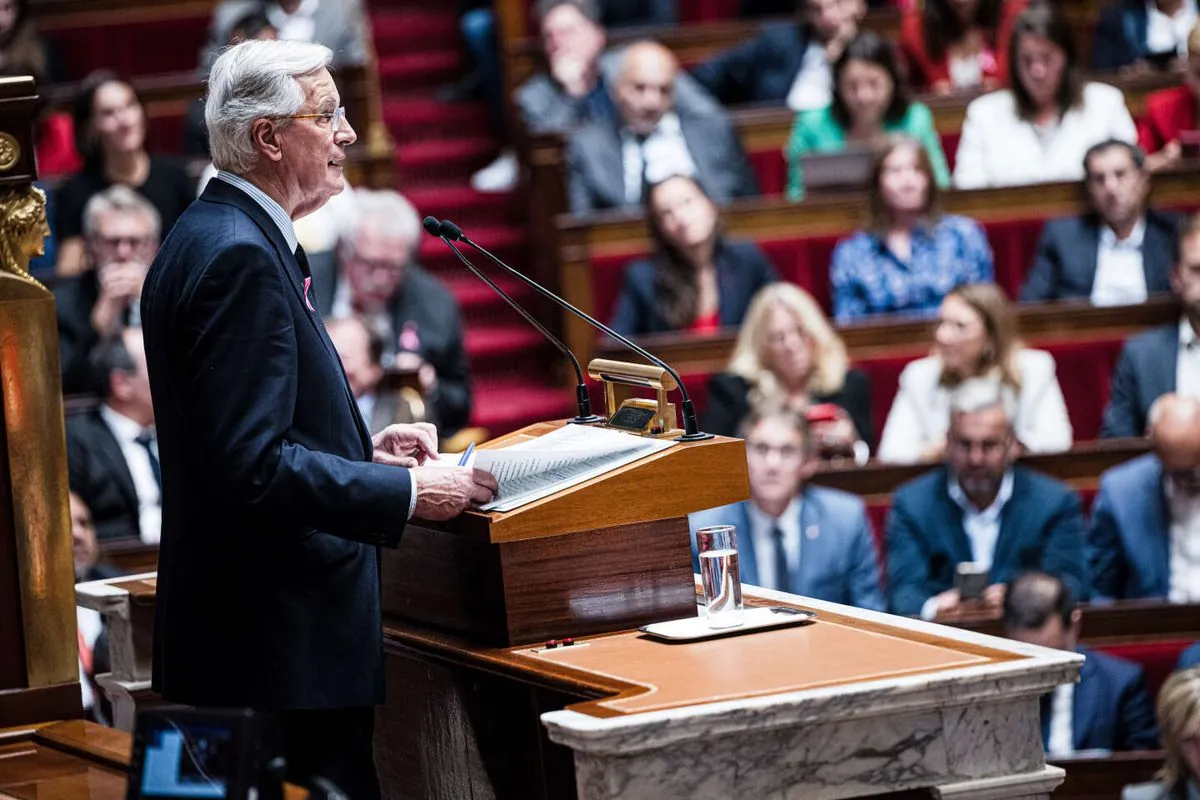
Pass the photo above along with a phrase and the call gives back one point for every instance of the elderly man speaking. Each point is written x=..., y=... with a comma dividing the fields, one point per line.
x=268, y=582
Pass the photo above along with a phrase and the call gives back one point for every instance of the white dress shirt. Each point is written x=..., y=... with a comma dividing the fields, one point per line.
x=1187, y=365
x=998, y=148
x=1120, y=277
x=91, y=625
x=297, y=26
x=1184, y=558
x=1169, y=34
x=666, y=154
x=761, y=524
x=1062, y=723
x=813, y=86
x=149, y=496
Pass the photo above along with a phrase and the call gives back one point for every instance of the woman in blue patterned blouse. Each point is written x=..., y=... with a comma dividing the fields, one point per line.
x=911, y=255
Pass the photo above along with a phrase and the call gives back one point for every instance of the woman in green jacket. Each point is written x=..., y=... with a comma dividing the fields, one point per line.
x=869, y=103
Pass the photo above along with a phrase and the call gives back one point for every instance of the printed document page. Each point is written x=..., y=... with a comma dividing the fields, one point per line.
x=566, y=457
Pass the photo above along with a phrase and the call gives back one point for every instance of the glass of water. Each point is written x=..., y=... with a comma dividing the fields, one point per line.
x=719, y=575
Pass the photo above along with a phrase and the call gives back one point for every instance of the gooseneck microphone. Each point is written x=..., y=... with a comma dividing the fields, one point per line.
x=582, y=400
x=449, y=232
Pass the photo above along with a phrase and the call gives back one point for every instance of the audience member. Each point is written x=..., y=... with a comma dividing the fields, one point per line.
x=869, y=102
x=793, y=537
x=1117, y=253
x=1178, y=710
x=958, y=44
x=1109, y=709
x=1038, y=130
x=340, y=25
x=1171, y=112
x=91, y=635
x=360, y=349
x=1145, y=531
x=415, y=314
x=1189, y=658
x=85, y=547
x=53, y=130
x=976, y=336
x=120, y=233
x=787, y=62
x=112, y=453
x=1161, y=360
x=1132, y=33
x=582, y=76
x=697, y=280
x=982, y=509
x=787, y=354
x=911, y=254
x=610, y=165
x=21, y=44
x=110, y=129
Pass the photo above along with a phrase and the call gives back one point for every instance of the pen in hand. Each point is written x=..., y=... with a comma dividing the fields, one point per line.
x=466, y=456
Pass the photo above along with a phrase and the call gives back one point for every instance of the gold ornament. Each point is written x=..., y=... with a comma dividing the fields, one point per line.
x=10, y=151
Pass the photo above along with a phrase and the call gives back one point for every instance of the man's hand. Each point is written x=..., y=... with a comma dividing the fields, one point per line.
x=993, y=596
x=572, y=73
x=413, y=362
x=948, y=602
x=120, y=284
x=1169, y=156
x=445, y=492
x=405, y=445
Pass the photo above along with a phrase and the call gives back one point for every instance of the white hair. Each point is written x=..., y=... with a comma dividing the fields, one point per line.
x=384, y=211
x=251, y=81
x=978, y=394
x=122, y=200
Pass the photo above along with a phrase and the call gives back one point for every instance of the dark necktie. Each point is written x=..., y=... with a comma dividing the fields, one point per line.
x=644, y=193
x=302, y=260
x=146, y=440
x=1046, y=705
x=782, y=574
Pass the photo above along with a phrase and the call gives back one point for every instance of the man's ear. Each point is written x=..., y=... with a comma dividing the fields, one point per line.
x=265, y=136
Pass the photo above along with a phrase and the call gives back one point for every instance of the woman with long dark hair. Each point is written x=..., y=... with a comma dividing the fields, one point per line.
x=696, y=280
x=110, y=135
x=958, y=44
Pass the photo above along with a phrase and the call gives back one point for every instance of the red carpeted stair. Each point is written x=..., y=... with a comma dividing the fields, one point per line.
x=438, y=148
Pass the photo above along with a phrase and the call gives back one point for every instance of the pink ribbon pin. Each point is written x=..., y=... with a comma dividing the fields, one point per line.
x=307, y=286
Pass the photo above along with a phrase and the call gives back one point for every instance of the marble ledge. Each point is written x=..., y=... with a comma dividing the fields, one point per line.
x=951, y=693
x=104, y=596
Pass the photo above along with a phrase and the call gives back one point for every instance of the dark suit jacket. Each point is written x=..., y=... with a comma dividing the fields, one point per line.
x=761, y=70
x=1189, y=658
x=268, y=571
x=838, y=562
x=742, y=269
x=1129, y=540
x=1120, y=35
x=1041, y=527
x=729, y=402
x=428, y=308
x=1064, y=266
x=1145, y=371
x=75, y=298
x=596, y=174
x=99, y=474
x=1111, y=709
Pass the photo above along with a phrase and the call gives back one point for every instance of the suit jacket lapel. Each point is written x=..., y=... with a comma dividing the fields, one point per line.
x=1012, y=524
x=1157, y=518
x=609, y=150
x=1089, y=253
x=1155, y=265
x=813, y=552
x=747, y=563
x=701, y=150
x=110, y=451
x=954, y=534
x=1083, y=705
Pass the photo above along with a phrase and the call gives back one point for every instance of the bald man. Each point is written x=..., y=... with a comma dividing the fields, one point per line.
x=608, y=165
x=1145, y=536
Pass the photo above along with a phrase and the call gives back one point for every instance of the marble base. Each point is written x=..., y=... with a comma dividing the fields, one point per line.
x=1030, y=786
x=127, y=698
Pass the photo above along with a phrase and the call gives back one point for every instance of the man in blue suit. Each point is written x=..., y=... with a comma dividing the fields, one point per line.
x=1144, y=539
x=979, y=508
x=1165, y=359
x=275, y=497
x=1109, y=709
x=1117, y=253
x=802, y=539
x=1189, y=658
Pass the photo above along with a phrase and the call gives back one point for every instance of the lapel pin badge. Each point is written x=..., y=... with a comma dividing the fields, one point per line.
x=307, y=286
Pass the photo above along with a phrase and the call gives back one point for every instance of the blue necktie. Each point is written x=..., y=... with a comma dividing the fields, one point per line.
x=146, y=440
x=782, y=576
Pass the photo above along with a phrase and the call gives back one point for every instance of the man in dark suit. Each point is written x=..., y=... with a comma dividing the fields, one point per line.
x=1109, y=709
x=808, y=540
x=979, y=509
x=1161, y=360
x=1144, y=539
x=112, y=452
x=788, y=62
x=1123, y=33
x=415, y=314
x=360, y=347
x=275, y=497
x=1189, y=658
x=1120, y=251
x=121, y=232
x=609, y=166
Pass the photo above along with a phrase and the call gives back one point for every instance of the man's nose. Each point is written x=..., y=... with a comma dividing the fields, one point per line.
x=346, y=134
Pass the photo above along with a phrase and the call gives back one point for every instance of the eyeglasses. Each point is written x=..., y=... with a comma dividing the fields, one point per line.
x=786, y=452
x=332, y=119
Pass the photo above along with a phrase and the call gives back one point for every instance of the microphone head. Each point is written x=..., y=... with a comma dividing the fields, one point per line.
x=450, y=231
x=432, y=226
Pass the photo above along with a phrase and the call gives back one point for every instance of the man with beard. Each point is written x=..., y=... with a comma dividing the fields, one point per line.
x=980, y=509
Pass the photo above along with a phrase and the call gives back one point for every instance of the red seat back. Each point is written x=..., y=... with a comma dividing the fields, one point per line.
x=1158, y=659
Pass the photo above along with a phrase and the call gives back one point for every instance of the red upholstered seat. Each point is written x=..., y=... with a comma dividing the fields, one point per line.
x=1158, y=659
x=134, y=46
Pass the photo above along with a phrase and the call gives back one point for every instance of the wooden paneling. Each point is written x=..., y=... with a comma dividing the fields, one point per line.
x=1103, y=777
x=55, y=15
x=25, y=706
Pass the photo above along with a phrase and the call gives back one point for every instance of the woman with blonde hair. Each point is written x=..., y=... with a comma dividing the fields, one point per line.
x=1179, y=730
x=976, y=336
x=787, y=353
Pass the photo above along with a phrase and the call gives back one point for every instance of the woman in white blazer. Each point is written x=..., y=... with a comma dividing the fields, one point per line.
x=1039, y=130
x=976, y=336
